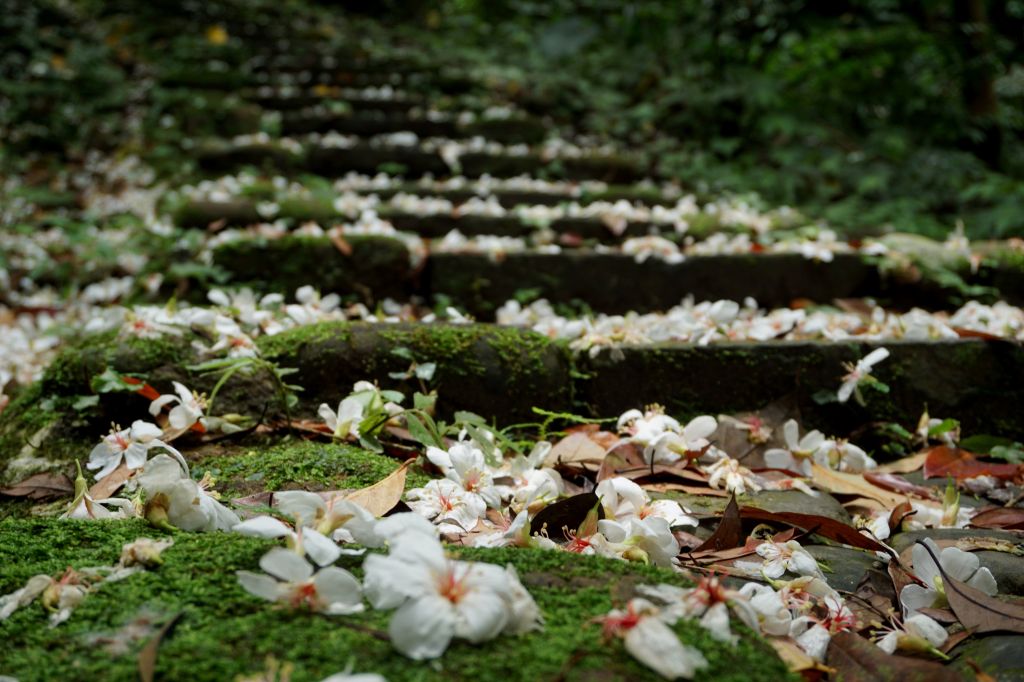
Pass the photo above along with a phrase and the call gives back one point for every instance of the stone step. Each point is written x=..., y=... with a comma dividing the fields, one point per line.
x=369, y=123
x=411, y=161
x=979, y=382
x=617, y=283
x=304, y=100
x=502, y=373
x=239, y=213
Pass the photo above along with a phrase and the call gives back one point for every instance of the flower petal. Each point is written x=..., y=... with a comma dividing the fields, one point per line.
x=286, y=565
x=339, y=590
x=423, y=628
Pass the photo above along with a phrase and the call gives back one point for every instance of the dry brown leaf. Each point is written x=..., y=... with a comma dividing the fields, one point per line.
x=41, y=487
x=795, y=658
x=682, y=487
x=903, y=466
x=858, y=660
x=976, y=610
x=382, y=496
x=147, y=657
x=577, y=450
x=865, y=503
x=111, y=483
x=837, y=482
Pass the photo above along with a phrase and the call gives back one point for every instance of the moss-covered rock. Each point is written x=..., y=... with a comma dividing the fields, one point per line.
x=498, y=372
x=224, y=632
x=616, y=283
x=981, y=383
x=376, y=268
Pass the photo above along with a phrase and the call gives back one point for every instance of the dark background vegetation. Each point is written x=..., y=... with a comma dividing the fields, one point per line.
x=870, y=114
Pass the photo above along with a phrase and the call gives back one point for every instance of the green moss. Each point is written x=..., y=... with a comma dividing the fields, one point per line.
x=289, y=341
x=224, y=632
x=301, y=464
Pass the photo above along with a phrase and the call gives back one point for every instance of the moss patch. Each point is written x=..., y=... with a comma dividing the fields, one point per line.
x=224, y=632
x=303, y=465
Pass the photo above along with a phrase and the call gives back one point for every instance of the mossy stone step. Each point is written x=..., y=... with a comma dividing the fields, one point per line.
x=414, y=162
x=498, y=372
x=369, y=123
x=376, y=268
x=278, y=102
x=242, y=212
x=979, y=382
x=224, y=632
x=617, y=283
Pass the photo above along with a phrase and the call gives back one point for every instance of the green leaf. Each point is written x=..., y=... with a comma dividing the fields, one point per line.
x=984, y=443
x=424, y=402
x=111, y=381
x=1014, y=454
x=85, y=402
x=945, y=426
x=419, y=431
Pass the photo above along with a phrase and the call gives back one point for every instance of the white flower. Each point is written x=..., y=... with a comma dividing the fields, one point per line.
x=302, y=541
x=647, y=540
x=464, y=464
x=649, y=639
x=447, y=504
x=797, y=454
x=772, y=614
x=438, y=599
x=345, y=422
x=187, y=412
x=919, y=632
x=859, y=372
x=709, y=601
x=957, y=564
x=144, y=552
x=60, y=597
x=780, y=557
x=83, y=506
x=736, y=477
x=332, y=590
x=130, y=445
x=841, y=455
x=338, y=518
x=623, y=499
x=188, y=505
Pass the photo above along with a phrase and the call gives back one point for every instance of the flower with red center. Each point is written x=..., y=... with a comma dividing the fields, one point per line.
x=438, y=599
x=130, y=445
x=291, y=581
x=645, y=632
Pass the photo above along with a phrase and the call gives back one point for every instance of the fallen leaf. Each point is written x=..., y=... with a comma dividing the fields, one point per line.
x=41, y=487
x=977, y=611
x=898, y=514
x=729, y=532
x=110, y=483
x=943, y=461
x=1010, y=518
x=819, y=525
x=901, y=577
x=627, y=460
x=382, y=496
x=795, y=658
x=565, y=516
x=147, y=657
x=898, y=484
x=903, y=466
x=340, y=244
x=682, y=487
x=577, y=450
x=840, y=483
x=855, y=659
